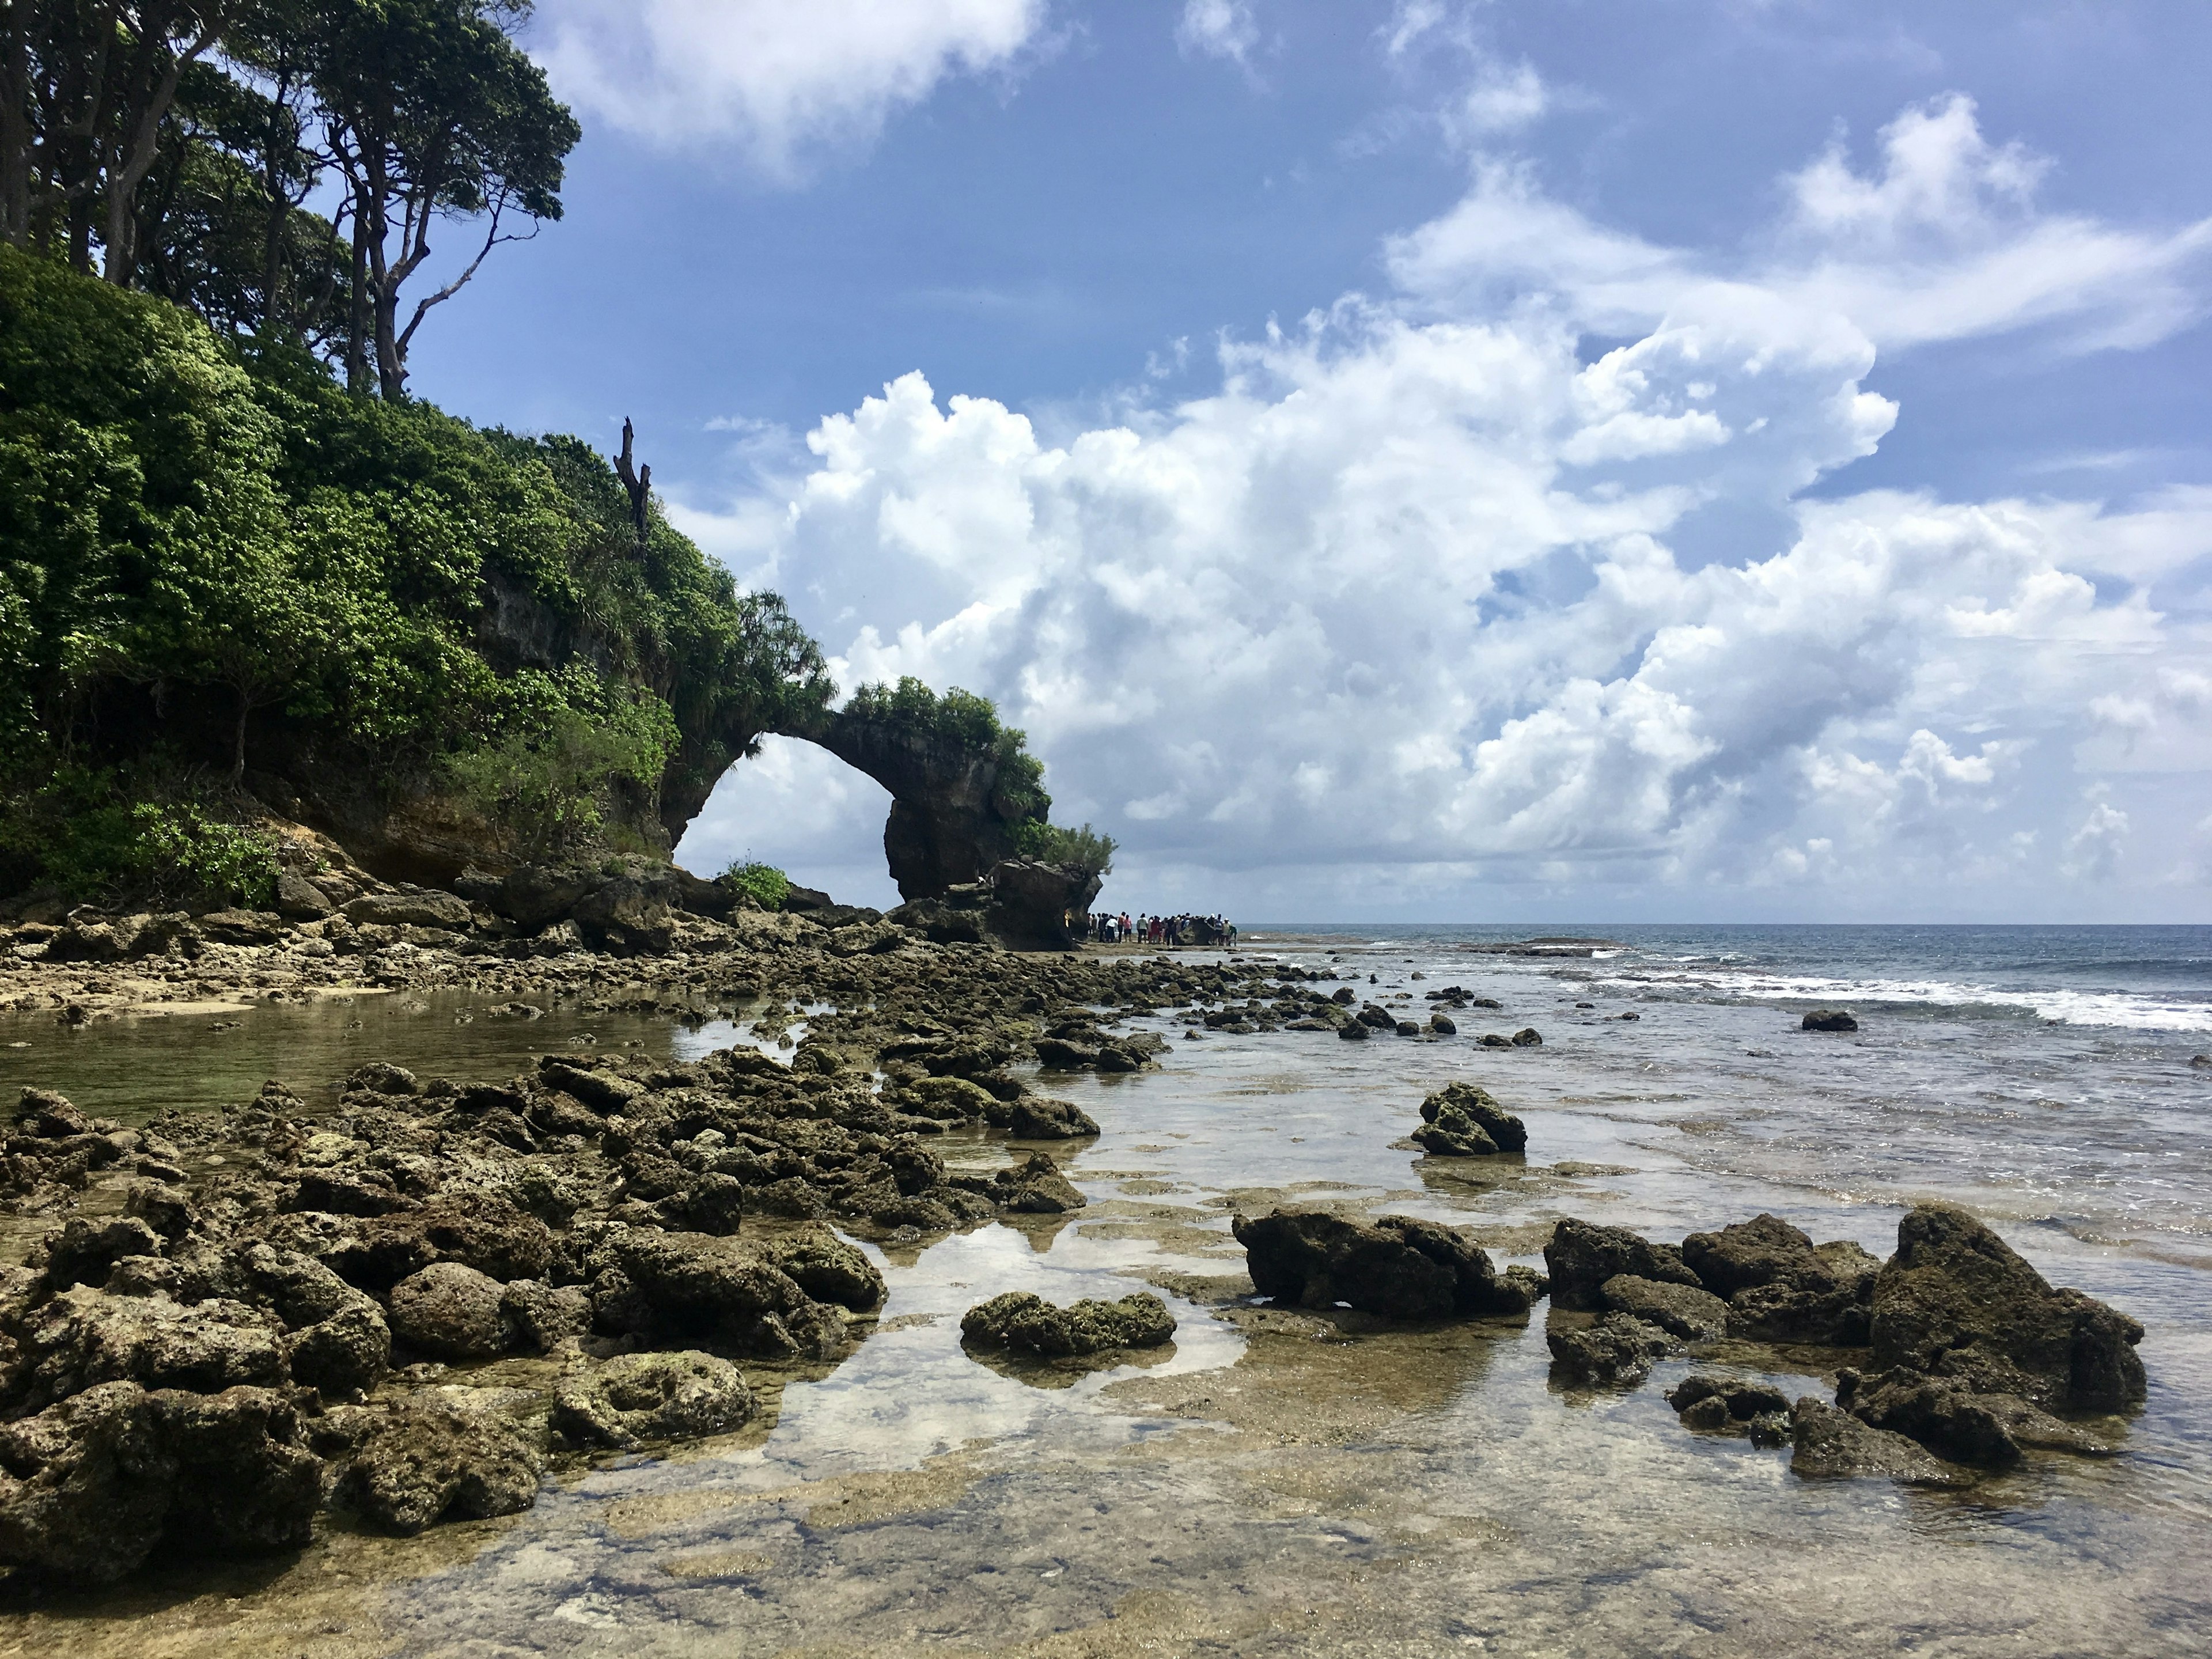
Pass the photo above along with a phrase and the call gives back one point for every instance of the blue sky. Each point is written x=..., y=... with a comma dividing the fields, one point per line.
x=1494, y=460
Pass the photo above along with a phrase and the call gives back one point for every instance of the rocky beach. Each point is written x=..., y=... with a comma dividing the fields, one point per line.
x=838, y=1286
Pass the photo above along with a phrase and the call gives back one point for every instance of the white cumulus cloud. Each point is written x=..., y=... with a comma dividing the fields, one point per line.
x=1396, y=616
x=779, y=81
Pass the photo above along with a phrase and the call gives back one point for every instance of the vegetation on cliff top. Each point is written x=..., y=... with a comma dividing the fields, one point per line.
x=214, y=561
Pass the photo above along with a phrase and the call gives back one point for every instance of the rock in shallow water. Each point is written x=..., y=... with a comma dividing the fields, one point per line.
x=1834, y=1444
x=641, y=1398
x=1580, y=1257
x=1956, y=1301
x=1618, y=1348
x=1681, y=1310
x=430, y=1462
x=1021, y=1320
x=1462, y=1121
x=1399, y=1268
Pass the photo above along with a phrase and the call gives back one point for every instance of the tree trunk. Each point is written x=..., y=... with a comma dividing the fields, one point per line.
x=238, y=756
x=15, y=126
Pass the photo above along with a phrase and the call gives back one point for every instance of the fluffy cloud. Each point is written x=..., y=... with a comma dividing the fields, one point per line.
x=1218, y=29
x=1396, y=616
x=779, y=79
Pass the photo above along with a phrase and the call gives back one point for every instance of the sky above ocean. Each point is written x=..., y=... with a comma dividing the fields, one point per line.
x=1638, y=459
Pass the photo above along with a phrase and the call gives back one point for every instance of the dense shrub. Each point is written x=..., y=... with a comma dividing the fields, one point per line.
x=763, y=884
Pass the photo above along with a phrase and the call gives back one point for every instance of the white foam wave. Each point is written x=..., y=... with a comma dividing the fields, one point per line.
x=2128, y=1009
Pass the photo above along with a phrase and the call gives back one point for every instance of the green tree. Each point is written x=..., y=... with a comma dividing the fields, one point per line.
x=435, y=115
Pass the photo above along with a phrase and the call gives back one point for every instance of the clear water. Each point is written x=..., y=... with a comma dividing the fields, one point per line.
x=1305, y=1490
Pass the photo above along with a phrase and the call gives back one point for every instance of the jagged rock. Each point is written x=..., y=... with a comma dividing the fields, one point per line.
x=1036, y=1186
x=827, y=1268
x=1462, y=1121
x=420, y=908
x=644, y=1399
x=1033, y=1117
x=1682, y=1311
x=299, y=899
x=1580, y=1257
x=450, y=1311
x=647, y=1399
x=1019, y=1320
x=92, y=1487
x=1728, y=1406
x=1399, y=1268
x=1957, y=1302
x=1828, y=1019
x=344, y=1354
x=546, y=1315
x=430, y=1462
x=686, y=1287
x=1031, y=902
x=625, y=913
x=1781, y=1286
x=380, y=1078
x=82, y=1337
x=713, y=1203
x=50, y=1116
x=603, y=1091
x=1618, y=1348
x=1954, y=1422
x=1834, y=1444
x=82, y=1252
x=481, y=1230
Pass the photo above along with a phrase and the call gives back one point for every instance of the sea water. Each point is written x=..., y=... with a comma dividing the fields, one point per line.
x=1276, y=1483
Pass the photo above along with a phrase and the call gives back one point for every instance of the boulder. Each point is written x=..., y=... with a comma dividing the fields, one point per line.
x=1033, y=1117
x=1020, y=1321
x=83, y=1338
x=50, y=1116
x=1833, y=1444
x=1681, y=1310
x=1035, y=1187
x=1462, y=1120
x=451, y=1311
x=1729, y=1405
x=1828, y=1019
x=543, y=1316
x=1528, y=1037
x=299, y=899
x=82, y=1252
x=1032, y=902
x=1580, y=1257
x=953, y=1099
x=828, y=1267
x=481, y=1230
x=1441, y=1025
x=603, y=1091
x=1399, y=1268
x=1957, y=1302
x=344, y=1354
x=689, y=1287
x=1781, y=1286
x=431, y=1462
x=1988, y=1429
x=92, y=1487
x=1352, y=1032
x=644, y=1399
x=1618, y=1348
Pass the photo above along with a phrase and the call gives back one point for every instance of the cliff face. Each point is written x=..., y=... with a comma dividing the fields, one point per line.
x=949, y=822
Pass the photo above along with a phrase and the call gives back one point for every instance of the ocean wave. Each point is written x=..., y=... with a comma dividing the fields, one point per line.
x=2131, y=1010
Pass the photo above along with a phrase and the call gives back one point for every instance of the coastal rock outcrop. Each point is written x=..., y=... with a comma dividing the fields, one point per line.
x=1832, y=1445
x=1616, y=1348
x=1399, y=1268
x=1782, y=1287
x=428, y=1462
x=1957, y=1302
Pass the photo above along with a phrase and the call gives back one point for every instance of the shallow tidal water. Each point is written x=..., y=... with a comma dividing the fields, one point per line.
x=1283, y=1482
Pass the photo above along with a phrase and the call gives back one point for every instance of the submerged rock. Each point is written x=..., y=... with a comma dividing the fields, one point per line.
x=1955, y=1422
x=1399, y=1268
x=1618, y=1348
x=1829, y=1019
x=1833, y=1445
x=642, y=1399
x=1021, y=1320
x=1719, y=1405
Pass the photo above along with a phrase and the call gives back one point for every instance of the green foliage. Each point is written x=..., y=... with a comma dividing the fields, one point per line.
x=219, y=552
x=963, y=718
x=763, y=884
x=1083, y=850
x=96, y=842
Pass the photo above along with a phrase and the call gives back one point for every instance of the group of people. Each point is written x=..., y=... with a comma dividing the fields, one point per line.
x=1107, y=928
